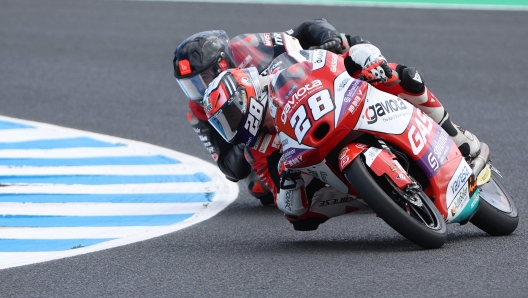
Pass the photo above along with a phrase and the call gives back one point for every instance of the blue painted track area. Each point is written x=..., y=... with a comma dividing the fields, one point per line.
x=65, y=192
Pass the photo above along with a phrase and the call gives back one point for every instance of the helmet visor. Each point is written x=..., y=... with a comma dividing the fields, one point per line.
x=194, y=87
x=228, y=121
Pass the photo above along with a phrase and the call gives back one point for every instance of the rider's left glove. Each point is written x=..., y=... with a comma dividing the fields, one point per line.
x=333, y=45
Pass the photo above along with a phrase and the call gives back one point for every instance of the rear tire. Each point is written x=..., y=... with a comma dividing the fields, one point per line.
x=430, y=232
x=490, y=219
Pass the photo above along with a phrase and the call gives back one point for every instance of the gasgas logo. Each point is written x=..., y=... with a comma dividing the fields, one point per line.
x=382, y=109
x=333, y=63
x=300, y=92
x=418, y=133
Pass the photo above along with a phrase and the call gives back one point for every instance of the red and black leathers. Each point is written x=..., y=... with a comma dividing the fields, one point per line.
x=229, y=157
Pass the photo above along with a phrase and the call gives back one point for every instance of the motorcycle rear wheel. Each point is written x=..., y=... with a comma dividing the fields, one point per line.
x=497, y=213
x=423, y=226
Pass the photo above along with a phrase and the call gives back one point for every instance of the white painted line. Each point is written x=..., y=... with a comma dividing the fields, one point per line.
x=68, y=241
x=99, y=209
x=183, y=187
x=182, y=168
x=74, y=152
x=73, y=233
x=402, y=4
x=32, y=134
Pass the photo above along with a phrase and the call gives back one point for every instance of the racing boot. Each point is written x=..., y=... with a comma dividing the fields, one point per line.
x=415, y=92
x=257, y=189
x=467, y=143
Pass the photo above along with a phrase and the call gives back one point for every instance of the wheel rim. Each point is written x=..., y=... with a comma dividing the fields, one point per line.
x=416, y=207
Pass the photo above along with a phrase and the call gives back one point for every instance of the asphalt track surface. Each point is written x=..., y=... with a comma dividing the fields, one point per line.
x=105, y=66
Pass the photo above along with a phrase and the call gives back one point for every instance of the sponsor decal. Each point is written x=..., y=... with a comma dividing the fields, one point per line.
x=290, y=92
x=291, y=43
x=278, y=39
x=333, y=63
x=460, y=179
x=343, y=157
x=245, y=62
x=319, y=56
x=275, y=67
x=371, y=154
x=185, y=67
x=295, y=161
x=352, y=90
x=343, y=161
x=257, y=142
x=418, y=133
x=245, y=81
x=288, y=153
x=472, y=185
x=460, y=201
x=299, y=93
x=265, y=143
x=433, y=162
x=484, y=176
x=287, y=200
x=440, y=144
x=267, y=39
x=342, y=85
x=382, y=109
x=284, y=142
x=276, y=142
x=336, y=201
x=215, y=156
x=223, y=65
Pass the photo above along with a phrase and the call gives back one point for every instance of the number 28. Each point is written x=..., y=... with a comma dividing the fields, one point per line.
x=320, y=104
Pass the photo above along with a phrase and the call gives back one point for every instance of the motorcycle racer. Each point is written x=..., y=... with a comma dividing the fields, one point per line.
x=204, y=55
x=295, y=194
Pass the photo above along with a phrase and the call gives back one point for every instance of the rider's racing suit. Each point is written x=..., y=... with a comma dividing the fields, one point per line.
x=230, y=158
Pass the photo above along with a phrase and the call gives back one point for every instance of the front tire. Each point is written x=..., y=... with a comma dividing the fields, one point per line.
x=424, y=226
x=496, y=221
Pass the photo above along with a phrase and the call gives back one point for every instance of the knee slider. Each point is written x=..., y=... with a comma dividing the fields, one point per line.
x=410, y=79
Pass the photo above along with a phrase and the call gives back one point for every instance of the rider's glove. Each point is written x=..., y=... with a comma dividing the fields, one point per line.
x=374, y=65
x=333, y=45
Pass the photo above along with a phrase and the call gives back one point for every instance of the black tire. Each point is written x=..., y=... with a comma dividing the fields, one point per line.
x=375, y=191
x=490, y=219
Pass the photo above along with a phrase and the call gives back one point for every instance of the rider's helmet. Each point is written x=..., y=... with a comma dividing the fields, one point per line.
x=235, y=103
x=198, y=60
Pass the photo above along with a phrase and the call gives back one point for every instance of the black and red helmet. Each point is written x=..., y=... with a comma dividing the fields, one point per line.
x=198, y=60
x=235, y=104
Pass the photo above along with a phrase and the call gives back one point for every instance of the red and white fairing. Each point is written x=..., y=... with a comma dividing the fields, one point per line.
x=319, y=108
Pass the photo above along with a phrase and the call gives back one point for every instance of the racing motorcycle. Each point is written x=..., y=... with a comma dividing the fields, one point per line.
x=380, y=148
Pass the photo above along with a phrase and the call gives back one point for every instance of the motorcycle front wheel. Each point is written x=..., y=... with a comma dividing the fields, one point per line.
x=420, y=222
x=497, y=213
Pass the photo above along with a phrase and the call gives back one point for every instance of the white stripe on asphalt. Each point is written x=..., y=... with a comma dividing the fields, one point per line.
x=75, y=152
x=25, y=201
x=183, y=187
x=32, y=134
x=73, y=233
x=181, y=169
x=99, y=209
